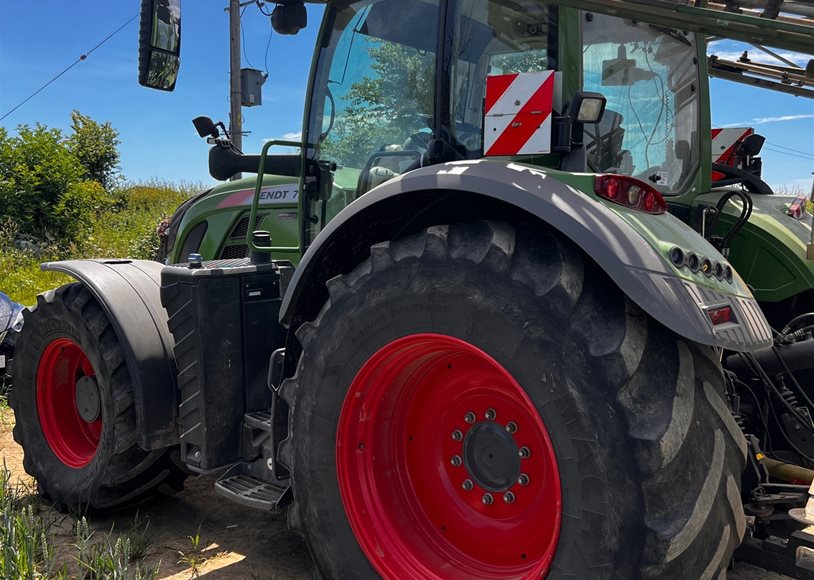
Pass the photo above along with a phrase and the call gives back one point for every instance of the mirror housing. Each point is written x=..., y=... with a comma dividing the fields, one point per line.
x=159, y=44
x=205, y=127
x=289, y=17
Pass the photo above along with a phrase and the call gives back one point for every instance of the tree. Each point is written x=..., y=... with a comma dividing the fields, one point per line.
x=52, y=186
x=36, y=169
x=95, y=146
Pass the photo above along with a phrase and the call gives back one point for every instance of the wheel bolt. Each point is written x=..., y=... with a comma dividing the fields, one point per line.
x=487, y=499
x=523, y=479
x=457, y=435
x=490, y=414
x=456, y=461
x=524, y=452
x=467, y=485
x=511, y=427
x=508, y=497
x=469, y=417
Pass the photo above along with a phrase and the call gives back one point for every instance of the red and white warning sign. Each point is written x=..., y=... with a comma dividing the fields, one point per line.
x=518, y=114
x=724, y=145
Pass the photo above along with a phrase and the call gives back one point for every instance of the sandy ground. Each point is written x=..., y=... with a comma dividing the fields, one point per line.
x=240, y=542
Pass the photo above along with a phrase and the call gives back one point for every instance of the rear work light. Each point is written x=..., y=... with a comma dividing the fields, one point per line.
x=630, y=193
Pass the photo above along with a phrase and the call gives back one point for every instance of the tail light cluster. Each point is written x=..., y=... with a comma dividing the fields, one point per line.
x=630, y=193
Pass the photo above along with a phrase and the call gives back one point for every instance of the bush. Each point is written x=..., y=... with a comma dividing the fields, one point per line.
x=54, y=186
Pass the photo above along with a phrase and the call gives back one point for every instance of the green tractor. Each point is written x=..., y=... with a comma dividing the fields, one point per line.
x=491, y=320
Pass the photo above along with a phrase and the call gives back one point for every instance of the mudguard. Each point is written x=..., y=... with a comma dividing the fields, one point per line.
x=632, y=248
x=128, y=291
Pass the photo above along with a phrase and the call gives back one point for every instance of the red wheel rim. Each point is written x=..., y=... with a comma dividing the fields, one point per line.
x=414, y=467
x=72, y=439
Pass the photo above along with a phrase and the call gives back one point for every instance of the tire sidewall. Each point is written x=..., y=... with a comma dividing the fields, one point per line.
x=530, y=340
x=40, y=330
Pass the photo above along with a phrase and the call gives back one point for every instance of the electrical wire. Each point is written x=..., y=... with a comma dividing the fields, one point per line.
x=76, y=62
x=260, y=4
x=790, y=149
x=243, y=38
x=804, y=156
x=268, y=44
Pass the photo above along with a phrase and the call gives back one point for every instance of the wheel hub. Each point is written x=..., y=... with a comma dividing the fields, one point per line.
x=68, y=402
x=491, y=456
x=444, y=462
x=88, y=402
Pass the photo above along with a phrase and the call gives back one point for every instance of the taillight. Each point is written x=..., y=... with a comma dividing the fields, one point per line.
x=720, y=315
x=630, y=193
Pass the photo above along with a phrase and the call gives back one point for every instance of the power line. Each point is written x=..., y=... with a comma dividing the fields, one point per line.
x=803, y=156
x=790, y=149
x=76, y=62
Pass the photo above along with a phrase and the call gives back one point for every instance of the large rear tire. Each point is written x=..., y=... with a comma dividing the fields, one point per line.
x=73, y=404
x=629, y=460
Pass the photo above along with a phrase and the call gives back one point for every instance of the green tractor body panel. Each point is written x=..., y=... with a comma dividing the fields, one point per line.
x=770, y=251
x=223, y=212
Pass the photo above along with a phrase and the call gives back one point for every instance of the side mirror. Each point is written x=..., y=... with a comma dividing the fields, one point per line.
x=159, y=44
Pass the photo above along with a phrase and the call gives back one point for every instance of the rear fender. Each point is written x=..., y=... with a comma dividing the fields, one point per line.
x=631, y=247
x=128, y=291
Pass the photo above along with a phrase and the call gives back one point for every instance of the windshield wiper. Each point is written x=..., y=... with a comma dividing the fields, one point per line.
x=673, y=33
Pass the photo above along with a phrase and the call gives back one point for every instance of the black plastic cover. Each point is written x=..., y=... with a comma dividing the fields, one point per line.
x=223, y=317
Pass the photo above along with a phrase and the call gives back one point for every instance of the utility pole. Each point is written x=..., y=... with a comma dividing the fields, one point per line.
x=235, y=110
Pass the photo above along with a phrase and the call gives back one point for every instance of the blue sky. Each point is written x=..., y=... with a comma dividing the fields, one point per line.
x=39, y=39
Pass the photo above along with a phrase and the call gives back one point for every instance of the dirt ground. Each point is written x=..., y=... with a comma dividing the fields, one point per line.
x=240, y=542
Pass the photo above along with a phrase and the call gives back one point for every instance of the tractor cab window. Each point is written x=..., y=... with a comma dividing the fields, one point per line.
x=495, y=38
x=650, y=77
x=373, y=113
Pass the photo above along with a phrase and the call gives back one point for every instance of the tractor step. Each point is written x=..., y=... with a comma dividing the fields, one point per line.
x=250, y=491
x=258, y=420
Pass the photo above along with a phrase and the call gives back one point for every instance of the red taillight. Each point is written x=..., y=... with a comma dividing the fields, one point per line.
x=720, y=315
x=630, y=193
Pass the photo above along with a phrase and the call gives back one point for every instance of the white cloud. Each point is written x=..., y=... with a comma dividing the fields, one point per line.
x=293, y=136
x=757, y=56
x=764, y=120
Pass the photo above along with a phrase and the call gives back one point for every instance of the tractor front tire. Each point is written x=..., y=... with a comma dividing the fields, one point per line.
x=74, y=413
x=478, y=401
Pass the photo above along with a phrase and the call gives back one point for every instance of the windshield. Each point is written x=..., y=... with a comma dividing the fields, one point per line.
x=650, y=78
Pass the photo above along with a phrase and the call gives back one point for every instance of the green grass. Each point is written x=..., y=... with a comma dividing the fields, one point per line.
x=125, y=230
x=29, y=550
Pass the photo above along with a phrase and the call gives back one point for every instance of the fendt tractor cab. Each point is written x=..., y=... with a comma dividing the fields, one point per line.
x=490, y=320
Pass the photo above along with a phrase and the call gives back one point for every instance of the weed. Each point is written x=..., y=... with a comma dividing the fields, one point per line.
x=194, y=558
x=25, y=550
x=117, y=558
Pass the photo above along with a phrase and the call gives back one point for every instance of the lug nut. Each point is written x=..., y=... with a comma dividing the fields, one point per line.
x=456, y=461
x=524, y=452
x=469, y=417
x=467, y=485
x=508, y=497
x=511, y=427
x=490, y=414
x=487, y=499
x=523, y=479
x=457, y=435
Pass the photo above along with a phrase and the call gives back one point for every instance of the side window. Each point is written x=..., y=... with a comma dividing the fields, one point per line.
x=379, y=98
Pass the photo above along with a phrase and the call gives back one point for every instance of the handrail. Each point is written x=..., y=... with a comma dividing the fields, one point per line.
x=258, y=187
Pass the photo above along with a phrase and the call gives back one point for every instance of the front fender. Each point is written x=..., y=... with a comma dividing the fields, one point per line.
x=128, y=291
x=631, y=247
